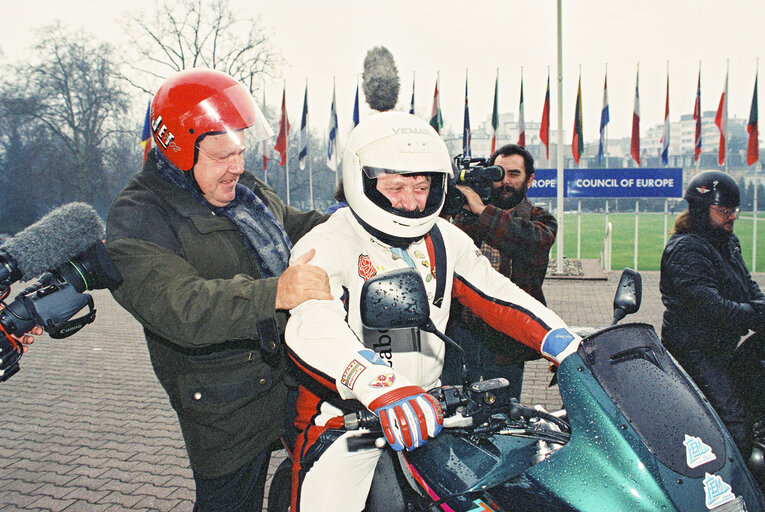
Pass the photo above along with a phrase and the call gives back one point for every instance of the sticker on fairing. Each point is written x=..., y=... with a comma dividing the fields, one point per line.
x=351, y=373
x=716, y=491
x=697, y=452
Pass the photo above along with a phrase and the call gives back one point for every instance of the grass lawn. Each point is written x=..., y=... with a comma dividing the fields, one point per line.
x=650, y=238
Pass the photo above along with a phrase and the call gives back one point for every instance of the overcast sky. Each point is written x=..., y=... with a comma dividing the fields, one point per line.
x=325, y=40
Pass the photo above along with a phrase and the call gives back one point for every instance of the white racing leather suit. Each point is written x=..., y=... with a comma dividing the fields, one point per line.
x=328, y=342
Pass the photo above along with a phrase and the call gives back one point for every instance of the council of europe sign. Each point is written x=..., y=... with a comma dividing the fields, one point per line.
x=641, y=182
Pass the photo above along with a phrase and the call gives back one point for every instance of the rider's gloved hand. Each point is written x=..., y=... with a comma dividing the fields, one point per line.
x=559, y=344
x=409, y=416
x=758, y=305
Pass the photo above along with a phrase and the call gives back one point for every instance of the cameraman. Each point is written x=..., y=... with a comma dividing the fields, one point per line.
x=516, y=237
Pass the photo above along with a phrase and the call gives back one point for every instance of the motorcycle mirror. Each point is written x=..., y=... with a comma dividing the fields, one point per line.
x=395, y=299
x=629, y=292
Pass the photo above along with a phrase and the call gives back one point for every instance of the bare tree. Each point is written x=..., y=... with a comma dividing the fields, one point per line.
x=193, y=33
x=69, y=111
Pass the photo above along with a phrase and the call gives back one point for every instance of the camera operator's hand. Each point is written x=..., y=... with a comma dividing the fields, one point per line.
x=28, y=337
x=473, y=200
x=301, y=282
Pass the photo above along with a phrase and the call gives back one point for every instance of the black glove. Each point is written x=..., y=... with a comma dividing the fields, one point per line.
x=759, y=308
x=10, y=353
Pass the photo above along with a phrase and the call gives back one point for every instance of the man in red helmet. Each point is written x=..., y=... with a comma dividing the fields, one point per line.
x=203, y=248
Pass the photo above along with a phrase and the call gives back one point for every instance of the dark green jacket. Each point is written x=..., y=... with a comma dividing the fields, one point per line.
x=195, y=288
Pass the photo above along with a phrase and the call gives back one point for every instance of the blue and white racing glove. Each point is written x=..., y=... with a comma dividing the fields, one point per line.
x=409, y=417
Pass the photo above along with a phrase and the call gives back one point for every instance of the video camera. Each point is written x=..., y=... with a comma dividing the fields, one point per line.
x=474, y=173
x=52, y=302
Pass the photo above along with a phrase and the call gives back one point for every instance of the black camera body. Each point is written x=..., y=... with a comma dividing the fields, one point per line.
x=476, y=174
x=53, y=300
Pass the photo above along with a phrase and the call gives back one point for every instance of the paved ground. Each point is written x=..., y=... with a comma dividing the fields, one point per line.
x=86, y=426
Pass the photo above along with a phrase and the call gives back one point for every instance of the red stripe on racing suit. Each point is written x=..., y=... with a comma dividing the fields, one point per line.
x=510, y=319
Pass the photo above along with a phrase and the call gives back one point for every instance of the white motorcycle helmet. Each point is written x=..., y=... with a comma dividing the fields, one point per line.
x=399, y=143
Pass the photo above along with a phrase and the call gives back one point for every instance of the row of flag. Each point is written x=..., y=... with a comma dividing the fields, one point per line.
x=577, y=142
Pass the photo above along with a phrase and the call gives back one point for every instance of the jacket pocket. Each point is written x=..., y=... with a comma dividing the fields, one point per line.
x=224, y=403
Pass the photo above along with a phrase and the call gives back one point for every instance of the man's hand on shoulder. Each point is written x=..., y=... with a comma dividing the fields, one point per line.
x=301, y=282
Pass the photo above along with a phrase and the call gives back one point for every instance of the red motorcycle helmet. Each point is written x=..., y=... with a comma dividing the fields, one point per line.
x=197, y=102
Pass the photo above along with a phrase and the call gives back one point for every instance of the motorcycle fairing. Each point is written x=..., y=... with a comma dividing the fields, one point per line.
x=453, y=464
x=662, y=413
x=606, y=459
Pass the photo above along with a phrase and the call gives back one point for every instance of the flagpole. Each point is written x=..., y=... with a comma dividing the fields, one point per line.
x=637, y=100
x=308, y=146
x=263, y=145
x=727, y=130
x=521, y=115
x=756, y=186
x=337, y=128
x=698, y=160
x=412, y=105
x=605, y=132
x=286, y=150
x=559, y=179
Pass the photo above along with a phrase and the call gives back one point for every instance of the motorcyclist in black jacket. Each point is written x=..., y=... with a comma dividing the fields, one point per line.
x=711, y=302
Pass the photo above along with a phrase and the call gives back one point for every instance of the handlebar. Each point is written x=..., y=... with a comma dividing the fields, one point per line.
x=463, y=407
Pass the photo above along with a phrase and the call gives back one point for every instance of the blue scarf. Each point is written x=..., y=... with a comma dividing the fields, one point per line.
x=264, y=236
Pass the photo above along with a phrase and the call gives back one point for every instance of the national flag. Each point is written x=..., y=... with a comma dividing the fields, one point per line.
x=544, y=126
x=466, y=126
x=355, y=107
x=332, y=145
x=697, y=118
x=577, y=142
x=521, y=121
x=721, y=120
x=604, y=119
x=635, y=140
x=146, y=135
x=411, y=104
x=665, y=135
x=495, y=116
x=436, y=121
x=303, y=153
x=284, y=131
x=753, y=147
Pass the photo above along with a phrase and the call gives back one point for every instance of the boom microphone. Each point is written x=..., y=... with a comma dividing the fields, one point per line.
x=380, y=79
x=50, y=242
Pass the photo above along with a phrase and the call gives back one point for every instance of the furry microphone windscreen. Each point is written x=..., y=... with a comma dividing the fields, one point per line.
x=380, y=79
x=59, y=236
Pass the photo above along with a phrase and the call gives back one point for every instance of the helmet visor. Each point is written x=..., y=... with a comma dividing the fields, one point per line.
x=229, y=111
x=375, y=172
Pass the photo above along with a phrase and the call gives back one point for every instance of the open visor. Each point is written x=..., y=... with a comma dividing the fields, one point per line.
x=228, y=111
x=405, y=153
x=375, y=172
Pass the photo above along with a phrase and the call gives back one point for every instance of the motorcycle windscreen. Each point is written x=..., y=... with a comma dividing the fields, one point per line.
x=656, y=398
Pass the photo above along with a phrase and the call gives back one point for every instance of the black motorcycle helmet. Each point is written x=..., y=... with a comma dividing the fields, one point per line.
x=712, y=187
x=705, y=189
